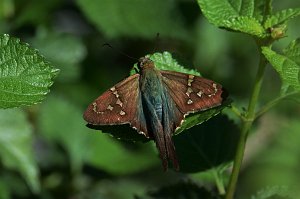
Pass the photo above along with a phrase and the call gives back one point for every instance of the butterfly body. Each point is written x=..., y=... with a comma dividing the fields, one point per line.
x=155, y=105
x=155, y=102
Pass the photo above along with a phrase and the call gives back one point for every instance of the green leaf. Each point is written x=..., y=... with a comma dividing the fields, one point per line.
x=133, y=18
x=293, y=51
x=281, y=17
x=245, y=24
x=218, y=10
x=207, y=146
x=25, y=76
x=274, y=191
x=165, y=61
x=242, y=16
x=16, y=146
x=287, y=68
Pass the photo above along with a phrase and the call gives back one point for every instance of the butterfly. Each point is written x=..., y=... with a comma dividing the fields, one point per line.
x=155, y=103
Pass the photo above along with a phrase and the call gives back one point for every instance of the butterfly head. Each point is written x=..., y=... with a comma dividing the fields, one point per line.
x=145, y=62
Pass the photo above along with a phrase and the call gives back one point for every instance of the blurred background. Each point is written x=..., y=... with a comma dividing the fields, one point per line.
x=56, y=156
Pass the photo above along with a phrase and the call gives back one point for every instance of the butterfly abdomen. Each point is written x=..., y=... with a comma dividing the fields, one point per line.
x=156, y=109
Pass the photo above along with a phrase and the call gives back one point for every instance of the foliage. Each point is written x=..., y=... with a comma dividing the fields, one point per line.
x=46, y=149
x=25, y=75
x=16, y=146
x=128, y=16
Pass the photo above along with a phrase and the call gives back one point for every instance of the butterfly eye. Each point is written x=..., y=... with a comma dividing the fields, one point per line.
x=145, y=62
x=140, y=64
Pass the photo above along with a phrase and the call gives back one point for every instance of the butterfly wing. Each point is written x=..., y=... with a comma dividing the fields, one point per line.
x=118, y=105
x=183, y=94
x=192, y=93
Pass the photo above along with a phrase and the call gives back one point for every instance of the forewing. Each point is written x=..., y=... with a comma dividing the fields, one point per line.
x=118, y=105
x=192, y=93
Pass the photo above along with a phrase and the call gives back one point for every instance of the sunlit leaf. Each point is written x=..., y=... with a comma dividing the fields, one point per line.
x=293, y=51
x=245, y=24
x=275, y=191
x=242, y=16
x=287, y=68
x=165, y=61
x=25, y=76
x=281, y=17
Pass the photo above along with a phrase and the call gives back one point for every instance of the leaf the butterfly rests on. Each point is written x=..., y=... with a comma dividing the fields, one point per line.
x=155, y=102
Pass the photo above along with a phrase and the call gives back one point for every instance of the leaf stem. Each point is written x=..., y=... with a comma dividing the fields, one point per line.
x=272, y=103
x=219, y=182
x=236, y=111
x=246, y=125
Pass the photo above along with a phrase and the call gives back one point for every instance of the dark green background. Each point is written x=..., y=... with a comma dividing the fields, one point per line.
x=76, y=162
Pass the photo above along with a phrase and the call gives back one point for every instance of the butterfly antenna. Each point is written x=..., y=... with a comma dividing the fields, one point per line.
x=157, y=42
x=119, y=51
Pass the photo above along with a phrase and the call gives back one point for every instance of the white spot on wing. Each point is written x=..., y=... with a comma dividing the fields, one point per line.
x=189, y=91
x=110, y=107
x=200, y=93
x=189, y=101
x=95, y=109
x=190, y=80
x=116, y=94
x=122, y=113
x=215, y=87
x=119, y=102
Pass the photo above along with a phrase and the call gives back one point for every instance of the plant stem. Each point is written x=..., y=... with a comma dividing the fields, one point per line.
x=246, y=125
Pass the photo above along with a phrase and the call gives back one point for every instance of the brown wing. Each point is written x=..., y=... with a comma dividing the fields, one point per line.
x=118, y=105
x=192, y=93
